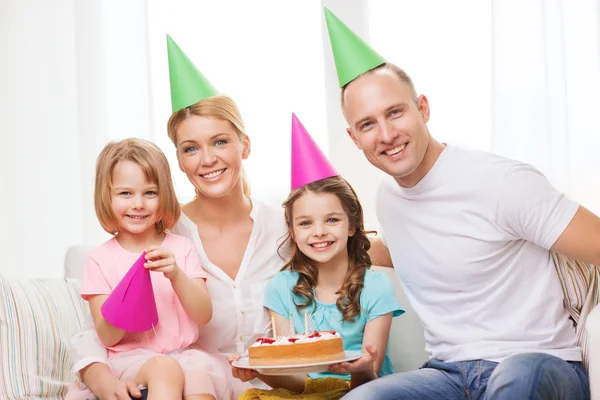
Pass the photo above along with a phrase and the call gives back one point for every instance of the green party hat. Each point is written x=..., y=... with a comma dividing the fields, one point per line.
x=352, y=55
x=188, y=85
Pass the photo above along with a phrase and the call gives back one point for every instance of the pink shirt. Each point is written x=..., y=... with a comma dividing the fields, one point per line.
x=105, y=267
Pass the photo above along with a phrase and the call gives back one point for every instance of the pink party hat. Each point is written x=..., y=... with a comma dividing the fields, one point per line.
x=309, y=164
x=131, y=306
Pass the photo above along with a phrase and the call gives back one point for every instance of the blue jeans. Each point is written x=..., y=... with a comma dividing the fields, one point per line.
x=521, y=377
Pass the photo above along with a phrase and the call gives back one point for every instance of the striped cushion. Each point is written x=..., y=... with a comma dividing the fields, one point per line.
x=580, y=283
x=37, y=319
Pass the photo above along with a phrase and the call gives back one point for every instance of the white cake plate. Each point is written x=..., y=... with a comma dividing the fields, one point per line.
x=321, y=366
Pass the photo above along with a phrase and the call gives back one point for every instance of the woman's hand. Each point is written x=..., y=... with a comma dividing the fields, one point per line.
x=105, y=386
x=242, y=374
x=161, y=259
x=365, y=364
x=119, y=390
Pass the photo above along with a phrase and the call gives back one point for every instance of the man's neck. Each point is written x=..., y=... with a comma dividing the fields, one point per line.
x=434, y=149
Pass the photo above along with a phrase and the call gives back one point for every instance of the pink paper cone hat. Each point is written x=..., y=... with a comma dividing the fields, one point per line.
x=309, y=164
x=131, y=306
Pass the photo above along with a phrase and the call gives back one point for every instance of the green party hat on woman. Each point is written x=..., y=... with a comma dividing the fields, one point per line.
x=188, y=85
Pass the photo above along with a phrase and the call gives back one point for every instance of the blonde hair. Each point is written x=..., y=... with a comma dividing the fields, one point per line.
x=359, y=260
x=221, y=107
x=155, y=166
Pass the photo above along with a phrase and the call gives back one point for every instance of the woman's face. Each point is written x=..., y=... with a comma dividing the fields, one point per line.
x=210, y=154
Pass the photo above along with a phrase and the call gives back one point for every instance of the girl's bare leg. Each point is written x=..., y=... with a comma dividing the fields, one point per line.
x=199, y=397
x=163, y=376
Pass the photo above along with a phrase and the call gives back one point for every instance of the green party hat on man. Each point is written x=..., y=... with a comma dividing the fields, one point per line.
x=188, y=85
x=353, y=56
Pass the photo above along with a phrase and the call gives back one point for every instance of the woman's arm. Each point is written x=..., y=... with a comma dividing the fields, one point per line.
x=98, y=378
x=108, y=334
x=89, y=362
x=295, y=383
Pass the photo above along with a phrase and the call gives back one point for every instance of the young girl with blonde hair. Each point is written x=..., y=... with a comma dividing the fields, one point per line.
x=135, y=201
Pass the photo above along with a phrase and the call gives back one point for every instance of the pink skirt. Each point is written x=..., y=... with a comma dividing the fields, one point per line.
x=205, y=373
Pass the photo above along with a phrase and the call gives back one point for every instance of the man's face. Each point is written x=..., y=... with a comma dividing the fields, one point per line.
x=387, y=123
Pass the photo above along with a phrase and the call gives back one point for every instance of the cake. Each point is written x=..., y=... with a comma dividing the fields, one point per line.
x=297, y=349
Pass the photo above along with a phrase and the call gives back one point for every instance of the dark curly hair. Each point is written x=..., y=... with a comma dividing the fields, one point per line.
x=348, y=301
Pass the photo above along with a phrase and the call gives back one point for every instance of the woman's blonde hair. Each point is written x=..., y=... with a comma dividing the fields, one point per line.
x=221, y=107
x=156, y=169
x=359, y=260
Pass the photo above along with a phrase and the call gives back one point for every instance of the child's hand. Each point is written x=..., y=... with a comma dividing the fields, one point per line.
x=242, y=374
x=364, y=364
x=161, y=259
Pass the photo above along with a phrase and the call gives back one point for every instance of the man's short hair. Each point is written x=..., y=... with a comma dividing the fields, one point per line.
x=399, y=72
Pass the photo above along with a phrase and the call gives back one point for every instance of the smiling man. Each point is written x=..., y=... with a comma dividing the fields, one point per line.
x=469, y=234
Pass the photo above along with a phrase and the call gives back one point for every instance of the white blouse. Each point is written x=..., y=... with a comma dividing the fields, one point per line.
x=239, y=317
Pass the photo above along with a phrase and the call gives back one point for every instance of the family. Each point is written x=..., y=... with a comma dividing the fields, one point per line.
x=468, y=233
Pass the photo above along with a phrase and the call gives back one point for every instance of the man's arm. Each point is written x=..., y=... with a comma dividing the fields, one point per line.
x=379, y=253
x=581, y=238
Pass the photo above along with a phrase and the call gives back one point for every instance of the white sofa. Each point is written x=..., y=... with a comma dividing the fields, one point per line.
x=39, y=316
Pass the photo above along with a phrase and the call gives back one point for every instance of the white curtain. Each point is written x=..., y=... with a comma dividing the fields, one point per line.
x=546, y=90
x=74, y=75
x=267, y=56
x=518, y=78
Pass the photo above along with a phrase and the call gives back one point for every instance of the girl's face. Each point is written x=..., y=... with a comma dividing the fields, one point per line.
x=134, y=200
x=321, y=227
x=210, y=154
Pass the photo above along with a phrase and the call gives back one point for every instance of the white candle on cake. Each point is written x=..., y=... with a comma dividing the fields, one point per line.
x=292, y=331
x=305, y=323
x=273, y=325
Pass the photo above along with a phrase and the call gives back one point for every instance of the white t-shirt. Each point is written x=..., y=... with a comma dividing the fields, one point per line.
x=239, y=317
x=470, y=245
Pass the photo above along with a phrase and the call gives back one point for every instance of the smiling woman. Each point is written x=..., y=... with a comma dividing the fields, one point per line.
x=212, y=160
